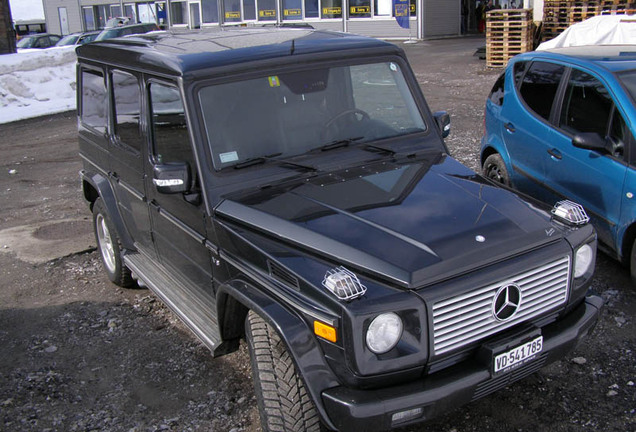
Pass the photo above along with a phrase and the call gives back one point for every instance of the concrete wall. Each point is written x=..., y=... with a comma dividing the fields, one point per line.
x=73, y=12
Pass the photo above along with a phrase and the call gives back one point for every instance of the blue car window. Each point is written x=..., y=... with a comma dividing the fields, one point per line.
x=587, y=105
x=540, y=85
x=496, y=95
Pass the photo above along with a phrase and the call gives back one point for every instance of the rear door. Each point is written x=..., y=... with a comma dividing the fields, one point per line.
x=525, y=123
x=128, y=149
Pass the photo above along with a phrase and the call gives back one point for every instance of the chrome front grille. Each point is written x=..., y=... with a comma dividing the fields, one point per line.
x=467, y=318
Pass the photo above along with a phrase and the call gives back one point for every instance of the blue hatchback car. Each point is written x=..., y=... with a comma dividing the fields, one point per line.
x=561, y=124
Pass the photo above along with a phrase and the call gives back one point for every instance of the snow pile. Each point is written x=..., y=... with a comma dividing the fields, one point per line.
x=37, y=82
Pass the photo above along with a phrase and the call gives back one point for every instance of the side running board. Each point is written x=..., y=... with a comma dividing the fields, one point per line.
x=192, y=304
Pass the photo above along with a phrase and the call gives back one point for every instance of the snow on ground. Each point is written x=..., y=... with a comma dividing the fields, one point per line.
x=37, y=82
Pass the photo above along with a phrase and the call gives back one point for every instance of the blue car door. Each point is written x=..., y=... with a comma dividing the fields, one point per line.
x=526, y=129
x=592, y=178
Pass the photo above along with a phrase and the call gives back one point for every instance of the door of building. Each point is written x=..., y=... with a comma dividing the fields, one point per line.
x=63, y=20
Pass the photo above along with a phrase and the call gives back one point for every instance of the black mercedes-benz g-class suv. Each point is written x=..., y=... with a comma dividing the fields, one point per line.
x=291, y=187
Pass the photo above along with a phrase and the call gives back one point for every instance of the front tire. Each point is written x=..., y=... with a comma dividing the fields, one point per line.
x=495, y=169
x=109, y=246
x=283, y=402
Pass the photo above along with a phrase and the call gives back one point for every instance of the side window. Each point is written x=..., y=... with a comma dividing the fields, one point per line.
x=587, y=105
x=496, y=95
x=127, y=108
x=94, y=101
x=519, y=69
x=539, y=87
x=170, y=132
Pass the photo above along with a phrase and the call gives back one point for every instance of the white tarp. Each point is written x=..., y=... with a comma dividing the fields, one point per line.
x=598, y=30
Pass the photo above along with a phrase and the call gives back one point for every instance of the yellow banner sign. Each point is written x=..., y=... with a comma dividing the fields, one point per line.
x=232, y=15
x=292, y=12
x=412, y=7
x=360, y=9
x=332, y=11
x=267, y=13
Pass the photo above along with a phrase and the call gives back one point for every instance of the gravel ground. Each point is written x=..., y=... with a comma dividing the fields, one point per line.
x=79, y=354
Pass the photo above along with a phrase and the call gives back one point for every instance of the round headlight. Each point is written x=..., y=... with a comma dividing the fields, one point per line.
x=384, y=332
x=583, y=260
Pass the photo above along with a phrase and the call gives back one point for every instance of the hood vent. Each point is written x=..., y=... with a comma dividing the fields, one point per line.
x=283, y=275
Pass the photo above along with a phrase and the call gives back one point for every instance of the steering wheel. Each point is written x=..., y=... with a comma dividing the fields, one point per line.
x=332, y=120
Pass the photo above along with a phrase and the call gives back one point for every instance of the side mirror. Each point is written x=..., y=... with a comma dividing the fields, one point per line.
x=592, y=141
x=442, y=118
x=172, y=178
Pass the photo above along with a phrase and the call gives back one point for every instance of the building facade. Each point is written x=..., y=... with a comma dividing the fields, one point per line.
x=428, y=18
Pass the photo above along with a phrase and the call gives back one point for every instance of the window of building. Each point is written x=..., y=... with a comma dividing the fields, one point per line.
x=179, y=12
x=147, y=12
x=331, y=8
x=312, y=9
x=383, y=8
x=94, y=103
x=266, y=10
x=292, y=9
x=127, y=109
x=539, y=87
x=232, y=10
x=115, y=11
x=129, y=11
x=359, y=8
x=89, y=18
x=249, y=10
x=209, y=11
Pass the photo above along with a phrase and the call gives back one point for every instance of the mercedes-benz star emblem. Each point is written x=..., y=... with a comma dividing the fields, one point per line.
x=506, y=302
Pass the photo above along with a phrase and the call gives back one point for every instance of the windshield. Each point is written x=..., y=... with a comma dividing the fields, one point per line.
x=26, y=42
x=629, y=81
x=107, y=34
x=290, y=114
x=68, y=40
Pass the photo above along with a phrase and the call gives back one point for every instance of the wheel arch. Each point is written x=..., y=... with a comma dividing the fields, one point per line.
x=292, y=329
x=624, y=250
x=97, y=186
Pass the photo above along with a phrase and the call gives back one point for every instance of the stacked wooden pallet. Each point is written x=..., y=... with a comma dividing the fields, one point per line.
x=508, y=33
x=558, y=15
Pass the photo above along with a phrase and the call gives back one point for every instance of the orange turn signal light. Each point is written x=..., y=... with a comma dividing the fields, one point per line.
x=325, y=331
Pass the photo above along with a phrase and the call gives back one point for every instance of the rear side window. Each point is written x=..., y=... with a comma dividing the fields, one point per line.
x=539, y=87
x=587, y=105
x=94, y=100
x=127, y=109
x=496, y=95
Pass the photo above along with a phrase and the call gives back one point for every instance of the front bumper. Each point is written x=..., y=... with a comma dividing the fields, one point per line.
x=368, y=410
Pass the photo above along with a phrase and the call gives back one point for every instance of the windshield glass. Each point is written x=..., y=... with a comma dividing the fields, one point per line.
x=290, y=114
x=629, y=81
x=68, y=40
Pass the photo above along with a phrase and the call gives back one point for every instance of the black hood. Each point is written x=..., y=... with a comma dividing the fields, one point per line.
x=412, y=223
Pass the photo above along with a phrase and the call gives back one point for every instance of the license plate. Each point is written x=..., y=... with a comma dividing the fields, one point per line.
x=518, y=355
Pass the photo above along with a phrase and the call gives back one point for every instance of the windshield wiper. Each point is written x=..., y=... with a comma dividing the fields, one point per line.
x=380, y=148
x=256, y=160
x=271, y=158
x=336, y=144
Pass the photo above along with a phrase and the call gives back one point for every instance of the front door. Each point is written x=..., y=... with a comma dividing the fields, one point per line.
x=178, y=220
x=593, y=179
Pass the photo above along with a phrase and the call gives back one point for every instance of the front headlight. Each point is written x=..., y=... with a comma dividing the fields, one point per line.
x=584, y=258
x=384, y=332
